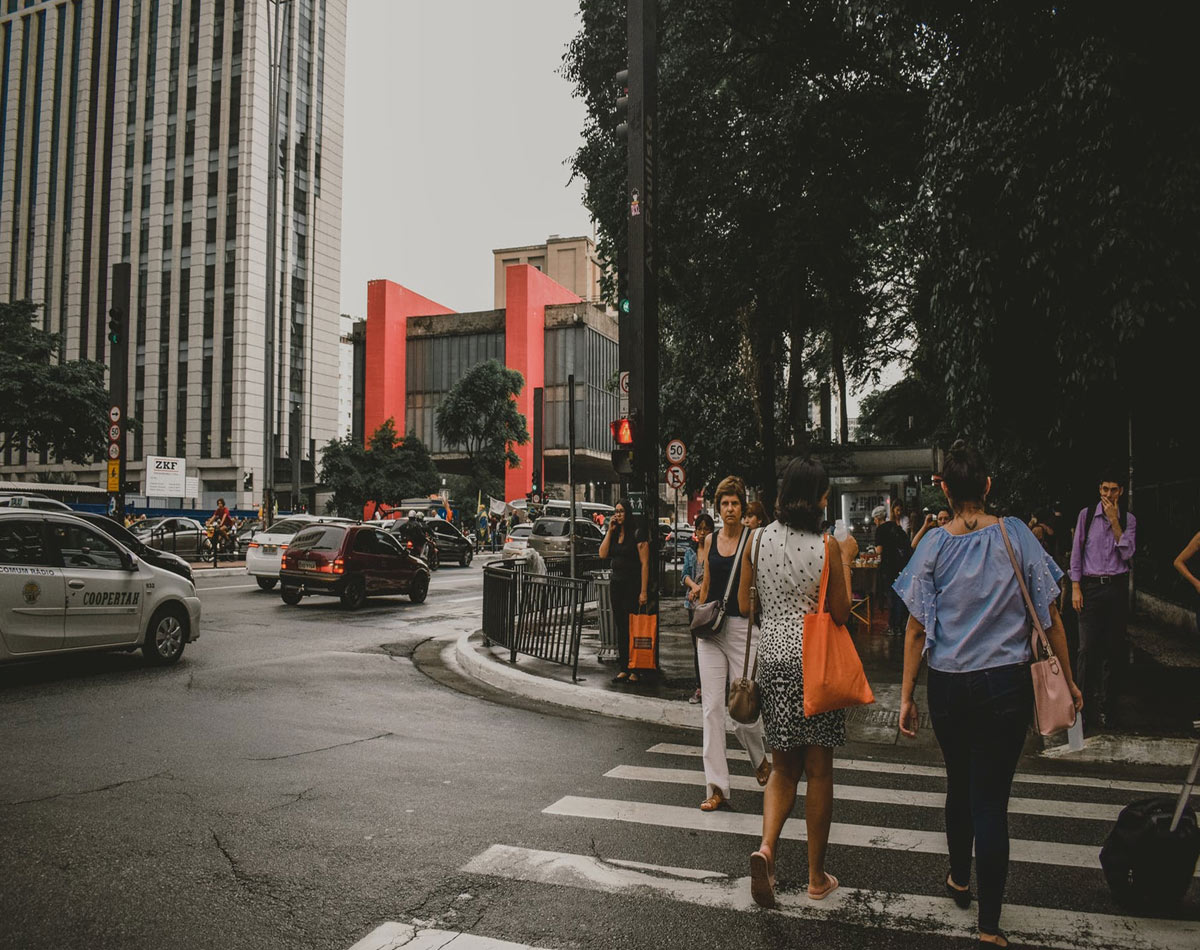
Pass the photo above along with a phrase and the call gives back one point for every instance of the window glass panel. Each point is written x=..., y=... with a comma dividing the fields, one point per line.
x=81, y=547
x=21, y=543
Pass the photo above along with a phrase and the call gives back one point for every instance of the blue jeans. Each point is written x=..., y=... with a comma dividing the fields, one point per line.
x=980, y=720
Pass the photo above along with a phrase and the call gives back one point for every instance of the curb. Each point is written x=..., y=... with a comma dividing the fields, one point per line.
x=474, y=663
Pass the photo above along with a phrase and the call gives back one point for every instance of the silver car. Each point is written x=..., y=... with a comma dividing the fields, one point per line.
x=550, y=537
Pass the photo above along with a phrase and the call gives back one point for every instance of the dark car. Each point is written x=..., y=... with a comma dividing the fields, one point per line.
x=119, y=532
x=352, y=562
x=451, y=544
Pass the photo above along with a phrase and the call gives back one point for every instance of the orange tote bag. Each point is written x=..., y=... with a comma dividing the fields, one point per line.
x=643, y=631
x=833, y=672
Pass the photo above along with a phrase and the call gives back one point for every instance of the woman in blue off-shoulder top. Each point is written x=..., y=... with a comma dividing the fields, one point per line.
x=968, y=618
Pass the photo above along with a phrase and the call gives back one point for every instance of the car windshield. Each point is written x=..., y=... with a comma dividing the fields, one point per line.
x=150, y=524
x=521, y=531
x=550, y=529
x=287, y=527
x=326, y=537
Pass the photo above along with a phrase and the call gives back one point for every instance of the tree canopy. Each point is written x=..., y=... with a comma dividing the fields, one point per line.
x=479, y=416
x=387, y=470
x=47, y=403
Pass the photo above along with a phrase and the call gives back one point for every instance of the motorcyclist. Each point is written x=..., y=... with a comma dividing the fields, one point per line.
x=413, y=532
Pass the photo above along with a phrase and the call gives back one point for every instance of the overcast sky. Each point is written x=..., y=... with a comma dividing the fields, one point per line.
x=458, y=127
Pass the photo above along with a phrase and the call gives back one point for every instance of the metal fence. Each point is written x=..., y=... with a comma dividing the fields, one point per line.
x=539, y=615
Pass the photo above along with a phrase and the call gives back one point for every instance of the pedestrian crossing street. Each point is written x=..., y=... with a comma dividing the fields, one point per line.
x=890, y=866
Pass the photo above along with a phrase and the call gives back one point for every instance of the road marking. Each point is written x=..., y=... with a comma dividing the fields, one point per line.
x=393, y=935
x=854, y=836
x=228, y=587
x=870, y=793
x=933, y=771
x=917, y=913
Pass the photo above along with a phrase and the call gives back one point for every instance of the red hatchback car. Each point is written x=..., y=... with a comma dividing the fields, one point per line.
x=352, y=562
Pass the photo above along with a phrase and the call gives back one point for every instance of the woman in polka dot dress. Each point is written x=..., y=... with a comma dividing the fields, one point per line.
x=791, y=555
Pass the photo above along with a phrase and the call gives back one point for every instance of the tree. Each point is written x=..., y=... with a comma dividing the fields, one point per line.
x=47, y=403
x=386, y=471
x=479, y=416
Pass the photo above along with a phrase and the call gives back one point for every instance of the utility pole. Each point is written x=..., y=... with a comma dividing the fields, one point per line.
x=642, y=280
x=118, y=383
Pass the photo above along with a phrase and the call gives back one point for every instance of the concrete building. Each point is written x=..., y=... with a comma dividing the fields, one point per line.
x=570, y=262
x=141, y=132
x=415, y=350
x=345, y=410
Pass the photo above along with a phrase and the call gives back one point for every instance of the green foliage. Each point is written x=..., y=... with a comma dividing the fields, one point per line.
x=479, y=416
x=388, y=470
x=47, y=403
x=903, y=414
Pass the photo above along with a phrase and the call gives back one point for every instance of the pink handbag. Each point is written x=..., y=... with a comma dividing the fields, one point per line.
x=1054, y=707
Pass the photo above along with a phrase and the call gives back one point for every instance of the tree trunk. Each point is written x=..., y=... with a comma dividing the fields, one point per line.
x=765, y=355
x=797, y=397
x=839, y=372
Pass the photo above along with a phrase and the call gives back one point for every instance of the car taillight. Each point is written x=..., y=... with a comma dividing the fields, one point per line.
x=253, y=544
x=507, y=540
x=283, y=547
x=339, y=566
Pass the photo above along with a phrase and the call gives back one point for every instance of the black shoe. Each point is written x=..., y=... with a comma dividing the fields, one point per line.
x=961, y=898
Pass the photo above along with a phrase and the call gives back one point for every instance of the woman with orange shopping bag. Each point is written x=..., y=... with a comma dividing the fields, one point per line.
x=630, y=557
x=721, y=645
x=792, y=571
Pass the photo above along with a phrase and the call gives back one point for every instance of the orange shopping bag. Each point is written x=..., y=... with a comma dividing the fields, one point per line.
x=643, y=632
x=833, y=672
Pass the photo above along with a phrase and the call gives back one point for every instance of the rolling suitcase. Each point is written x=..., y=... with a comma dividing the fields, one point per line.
x=1150, y=856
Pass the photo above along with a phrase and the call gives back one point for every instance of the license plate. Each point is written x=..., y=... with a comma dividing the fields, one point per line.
x=270, y=548
x=307, y=565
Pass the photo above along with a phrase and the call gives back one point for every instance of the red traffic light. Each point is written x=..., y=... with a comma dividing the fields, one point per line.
x=622, y=431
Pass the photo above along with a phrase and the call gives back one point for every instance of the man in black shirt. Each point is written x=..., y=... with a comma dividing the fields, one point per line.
x=894, y=549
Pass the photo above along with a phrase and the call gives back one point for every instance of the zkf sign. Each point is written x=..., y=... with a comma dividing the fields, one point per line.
x=166, y=476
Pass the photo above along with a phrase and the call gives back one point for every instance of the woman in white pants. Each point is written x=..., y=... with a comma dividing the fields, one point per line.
x=722, y=656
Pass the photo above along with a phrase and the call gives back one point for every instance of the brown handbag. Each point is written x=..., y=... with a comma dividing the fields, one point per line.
x=1053, y=704
x=744, y=706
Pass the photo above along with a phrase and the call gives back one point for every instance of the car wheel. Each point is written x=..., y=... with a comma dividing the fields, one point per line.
x=419, y=589
x=354, y=594
x=267, y=583
x=465, y=560
x=291, y=595
x=165, y=636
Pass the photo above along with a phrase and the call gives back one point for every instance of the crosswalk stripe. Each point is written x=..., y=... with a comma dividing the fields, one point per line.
x=856, y=836
x=1037, y=926
x=932, y=771
x=393, y=935
x=870, y=793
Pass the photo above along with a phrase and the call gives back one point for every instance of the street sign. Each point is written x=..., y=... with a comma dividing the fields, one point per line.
x=625, y=383
x=114, y=476
x=637, y=501
x=623, y=394
x=114, y=450
x=166, y=476
x=676, y=451
x=114, y=433
x=114, y=414
x=676, y=477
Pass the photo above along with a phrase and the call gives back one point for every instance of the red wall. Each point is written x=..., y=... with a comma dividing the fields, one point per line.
x=389, y=306
x=528, y=293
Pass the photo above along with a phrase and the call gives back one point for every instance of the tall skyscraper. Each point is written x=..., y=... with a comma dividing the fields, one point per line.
x=141, y=131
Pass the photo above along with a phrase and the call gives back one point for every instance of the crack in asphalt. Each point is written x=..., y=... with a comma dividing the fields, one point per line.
x=292, y=755
x=91, y=791
x=296, y=799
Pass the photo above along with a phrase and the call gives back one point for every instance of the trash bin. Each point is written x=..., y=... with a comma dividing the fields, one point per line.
x=604, y=613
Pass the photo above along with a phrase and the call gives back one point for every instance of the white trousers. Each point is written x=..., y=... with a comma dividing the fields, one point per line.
x=721, y=660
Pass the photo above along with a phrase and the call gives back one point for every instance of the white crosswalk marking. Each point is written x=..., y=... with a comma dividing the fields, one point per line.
x=393, y=936
x=871, y=793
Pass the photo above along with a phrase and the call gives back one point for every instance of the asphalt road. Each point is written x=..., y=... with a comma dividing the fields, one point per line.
x=297, y=781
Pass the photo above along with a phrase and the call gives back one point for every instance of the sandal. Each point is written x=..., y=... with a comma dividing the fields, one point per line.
x=992, y=943
x=634, y=678
x=831, y=884
x=762, y=774
x=620, y=678
x=762, y=879
x=714, y=801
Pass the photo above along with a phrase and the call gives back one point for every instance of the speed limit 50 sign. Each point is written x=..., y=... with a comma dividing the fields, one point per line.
x=676, y=451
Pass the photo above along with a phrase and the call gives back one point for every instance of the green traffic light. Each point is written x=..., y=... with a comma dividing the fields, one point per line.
x=114, y=338
x=624, y=305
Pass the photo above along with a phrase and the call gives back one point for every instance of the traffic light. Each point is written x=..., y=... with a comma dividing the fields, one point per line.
x=622, y=79
x=116, y=325
x=622, y=455
x=247, y=481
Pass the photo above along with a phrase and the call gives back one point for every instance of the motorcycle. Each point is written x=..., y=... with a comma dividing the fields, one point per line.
x=225, y=540
x=428, y=553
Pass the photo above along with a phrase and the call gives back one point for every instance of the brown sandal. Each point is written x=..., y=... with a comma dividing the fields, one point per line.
x=714, y=801
x=762, y=774
x=762, y=879
x=820, y=894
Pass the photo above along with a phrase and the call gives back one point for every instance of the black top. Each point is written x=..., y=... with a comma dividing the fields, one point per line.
x=718, y=569
x=626, y=564
x=895, y=549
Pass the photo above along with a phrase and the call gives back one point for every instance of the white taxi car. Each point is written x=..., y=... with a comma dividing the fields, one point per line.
x=65, y=586
x=266, y=548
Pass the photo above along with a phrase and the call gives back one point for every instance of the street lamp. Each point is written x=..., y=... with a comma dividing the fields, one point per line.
x=277, y=39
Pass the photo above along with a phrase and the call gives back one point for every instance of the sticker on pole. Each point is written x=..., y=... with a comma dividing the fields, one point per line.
x=676, y=477
x=676, y=451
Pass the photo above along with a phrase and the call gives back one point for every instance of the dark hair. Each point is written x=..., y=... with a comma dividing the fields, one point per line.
x=756, y=510
x=624, y=502
x=801, y=489
x=965, y=474
x=704, y=518
x=1112, y=474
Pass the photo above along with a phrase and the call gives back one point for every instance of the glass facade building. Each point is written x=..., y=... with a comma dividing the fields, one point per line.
x=139, y=131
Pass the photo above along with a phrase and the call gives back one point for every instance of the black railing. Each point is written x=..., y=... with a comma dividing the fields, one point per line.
x=538, y=615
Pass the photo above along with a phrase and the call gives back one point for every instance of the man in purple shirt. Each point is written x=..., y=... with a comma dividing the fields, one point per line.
x=1101, y=553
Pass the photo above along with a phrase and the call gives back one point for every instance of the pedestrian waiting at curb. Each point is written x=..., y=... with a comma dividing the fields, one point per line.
x=1101, y=553
x=894, y=550
x=629, y=554
x=692, y=576
x=1188, y=566
x=722, y=655
x=968, y=618
x=791, y=555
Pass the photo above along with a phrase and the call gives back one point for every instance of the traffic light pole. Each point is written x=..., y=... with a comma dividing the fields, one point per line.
x=642, y=280
x=118, y=382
